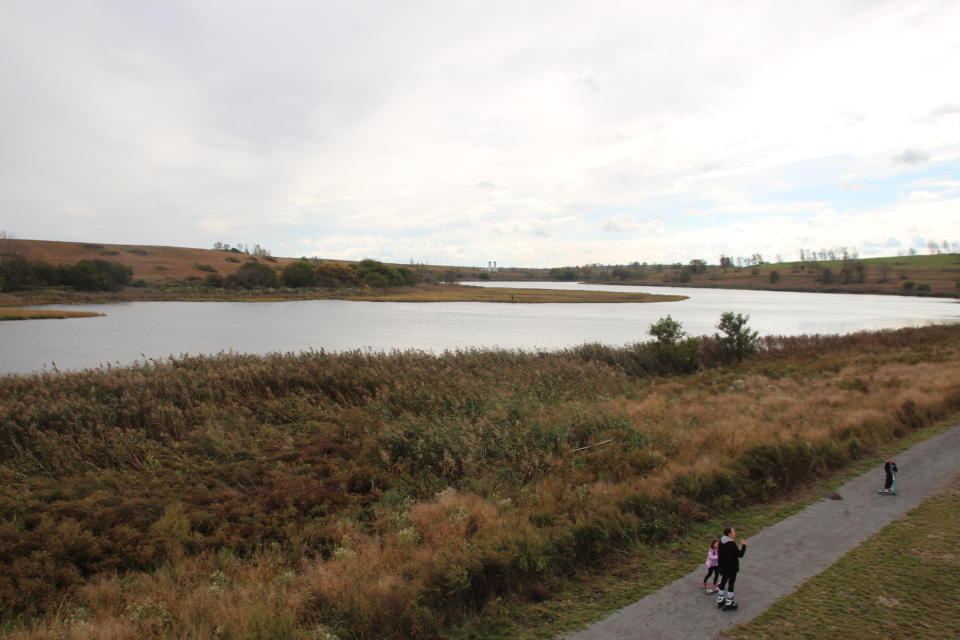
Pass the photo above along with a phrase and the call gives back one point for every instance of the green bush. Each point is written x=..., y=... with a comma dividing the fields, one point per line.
x=737, y=340
x=252, y=275
x=301, y=273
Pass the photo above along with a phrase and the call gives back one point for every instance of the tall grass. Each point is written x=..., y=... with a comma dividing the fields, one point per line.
x=361, y=495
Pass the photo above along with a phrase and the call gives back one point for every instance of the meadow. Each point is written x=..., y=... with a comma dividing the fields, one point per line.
x=398, y=495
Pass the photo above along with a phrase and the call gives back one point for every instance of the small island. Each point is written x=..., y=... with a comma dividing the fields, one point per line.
x=8, y=313
x=467, y=293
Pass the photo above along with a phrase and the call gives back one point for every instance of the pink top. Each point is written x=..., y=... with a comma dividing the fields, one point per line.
x=711, y=557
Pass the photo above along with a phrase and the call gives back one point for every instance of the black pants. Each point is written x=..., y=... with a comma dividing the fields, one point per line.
x=728, y=580
x=712, y=571
x=889, y=482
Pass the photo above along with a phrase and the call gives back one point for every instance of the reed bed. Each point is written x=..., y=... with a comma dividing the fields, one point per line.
x=361, y=495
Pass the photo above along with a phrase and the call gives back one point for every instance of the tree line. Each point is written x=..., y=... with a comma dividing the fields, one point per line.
x=306, y=273
x=18, y=274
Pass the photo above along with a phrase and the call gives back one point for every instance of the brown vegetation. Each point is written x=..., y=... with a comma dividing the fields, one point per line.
x=386, y=496
x=44, y=314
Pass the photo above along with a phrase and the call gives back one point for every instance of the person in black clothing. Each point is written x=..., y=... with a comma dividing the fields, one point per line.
x=729, y=565
x=890, y=470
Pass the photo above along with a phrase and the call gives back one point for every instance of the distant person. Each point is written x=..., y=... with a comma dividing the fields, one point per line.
x=890, y=476
x=711, y=567
x=728, y=563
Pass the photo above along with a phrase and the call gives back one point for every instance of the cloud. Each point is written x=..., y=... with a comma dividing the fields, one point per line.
x=630, y=224
x=856, y=186
x=946, y=110
x=438, y=129
x=912, y=156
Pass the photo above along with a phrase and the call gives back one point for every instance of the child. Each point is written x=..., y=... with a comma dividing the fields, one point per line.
x=890, y=473
x=711, y=566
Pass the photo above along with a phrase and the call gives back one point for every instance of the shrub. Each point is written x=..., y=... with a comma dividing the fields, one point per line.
x=909, y=285
x=301, y=273
x=335, y=274
x=774, y=277
x=97, y=275
x=378, y=275
x=737, y=340
x=923, y=286
x=253, y=274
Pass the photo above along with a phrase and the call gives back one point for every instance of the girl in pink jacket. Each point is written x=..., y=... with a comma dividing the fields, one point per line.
x=712, y=559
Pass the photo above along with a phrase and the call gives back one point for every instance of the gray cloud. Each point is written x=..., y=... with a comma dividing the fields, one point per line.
x=912, y=156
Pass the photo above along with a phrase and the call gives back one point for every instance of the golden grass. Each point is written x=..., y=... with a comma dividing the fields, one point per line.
x=9, y=313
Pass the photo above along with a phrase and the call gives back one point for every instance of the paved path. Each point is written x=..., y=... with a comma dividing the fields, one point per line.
x=781, y=557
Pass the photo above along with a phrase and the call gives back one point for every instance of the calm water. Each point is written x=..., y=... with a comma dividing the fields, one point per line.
x=145, y=330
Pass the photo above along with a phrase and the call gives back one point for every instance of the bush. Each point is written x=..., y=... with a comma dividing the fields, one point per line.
x=909, y=285
x=335, y=274
x=923, y=286
x=97, y=275
x=378, y=275
x=774, y=277
x=301, y=273
x=253, y=274
x=737, y=340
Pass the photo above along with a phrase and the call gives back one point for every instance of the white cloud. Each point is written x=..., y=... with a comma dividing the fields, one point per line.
x=631, y=224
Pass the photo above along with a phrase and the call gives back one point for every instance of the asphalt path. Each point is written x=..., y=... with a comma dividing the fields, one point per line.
x=781, y=557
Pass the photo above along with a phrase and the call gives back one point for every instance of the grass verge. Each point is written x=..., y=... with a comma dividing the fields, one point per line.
x=901, y=582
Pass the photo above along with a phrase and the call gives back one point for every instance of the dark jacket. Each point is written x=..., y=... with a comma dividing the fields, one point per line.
x=890, y=468
x=728, y=560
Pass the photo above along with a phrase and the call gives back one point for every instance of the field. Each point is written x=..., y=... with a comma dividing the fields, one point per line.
x=404, y=495
x=902, y=582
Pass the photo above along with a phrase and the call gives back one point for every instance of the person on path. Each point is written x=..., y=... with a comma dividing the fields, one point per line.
x=711, y=566
x=890, y=473
x=728, y=563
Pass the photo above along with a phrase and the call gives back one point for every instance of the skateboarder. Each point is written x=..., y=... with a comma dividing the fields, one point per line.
x=728, y=561
x=890, y=474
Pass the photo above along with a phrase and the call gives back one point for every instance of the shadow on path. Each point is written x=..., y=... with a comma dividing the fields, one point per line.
x=783, y=556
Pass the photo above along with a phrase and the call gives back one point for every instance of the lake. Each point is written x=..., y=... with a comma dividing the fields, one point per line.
x=137, y=331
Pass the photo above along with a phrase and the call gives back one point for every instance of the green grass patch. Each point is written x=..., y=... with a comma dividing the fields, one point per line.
x=901, y=583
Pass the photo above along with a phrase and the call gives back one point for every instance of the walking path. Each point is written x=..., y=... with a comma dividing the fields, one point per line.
x=781, y=557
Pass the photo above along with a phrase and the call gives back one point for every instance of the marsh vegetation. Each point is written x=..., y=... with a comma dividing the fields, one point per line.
x=394, y=495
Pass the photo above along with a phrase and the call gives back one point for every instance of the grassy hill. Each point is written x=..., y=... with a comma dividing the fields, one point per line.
x=150, y=263
x=933, y=275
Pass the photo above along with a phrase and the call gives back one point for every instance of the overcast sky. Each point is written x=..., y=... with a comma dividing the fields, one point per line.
x=538, y=133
